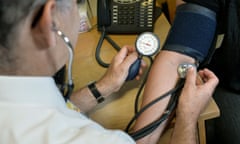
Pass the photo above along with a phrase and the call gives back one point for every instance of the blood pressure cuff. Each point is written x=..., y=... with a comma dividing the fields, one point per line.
x=192, y=32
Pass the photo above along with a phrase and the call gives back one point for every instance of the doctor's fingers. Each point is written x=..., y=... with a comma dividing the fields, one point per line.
x=209, y=78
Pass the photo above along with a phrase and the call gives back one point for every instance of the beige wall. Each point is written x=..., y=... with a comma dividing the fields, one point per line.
x=93, y=4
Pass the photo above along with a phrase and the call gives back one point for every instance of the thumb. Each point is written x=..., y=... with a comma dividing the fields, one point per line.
x=191, y=77
x=122, y=54
x=130, y=59
x=126, y=54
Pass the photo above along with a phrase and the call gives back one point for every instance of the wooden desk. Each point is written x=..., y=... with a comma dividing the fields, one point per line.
x=119, y=109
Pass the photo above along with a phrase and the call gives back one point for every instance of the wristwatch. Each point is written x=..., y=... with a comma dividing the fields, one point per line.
x=92, y=87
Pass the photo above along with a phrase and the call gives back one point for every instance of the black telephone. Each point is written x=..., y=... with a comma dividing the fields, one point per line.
x=125, y=16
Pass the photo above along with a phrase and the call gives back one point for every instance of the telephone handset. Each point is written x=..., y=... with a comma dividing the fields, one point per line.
x=125, y=16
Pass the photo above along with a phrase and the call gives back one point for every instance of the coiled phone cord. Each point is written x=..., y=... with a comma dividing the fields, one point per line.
x=99, y=45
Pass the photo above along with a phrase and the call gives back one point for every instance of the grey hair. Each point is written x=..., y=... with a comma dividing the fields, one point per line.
x=12, y=12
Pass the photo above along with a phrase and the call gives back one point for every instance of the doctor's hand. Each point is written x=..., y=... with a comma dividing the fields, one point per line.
x=117, y=72
x=196, y=94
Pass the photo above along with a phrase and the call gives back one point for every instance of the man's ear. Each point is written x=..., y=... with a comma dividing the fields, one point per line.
x=43, y=24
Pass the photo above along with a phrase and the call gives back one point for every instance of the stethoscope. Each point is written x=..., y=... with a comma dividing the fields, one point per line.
x=69, y=84
x=147, y=44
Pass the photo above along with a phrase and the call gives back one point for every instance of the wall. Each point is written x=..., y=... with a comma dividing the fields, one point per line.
x=93, y=4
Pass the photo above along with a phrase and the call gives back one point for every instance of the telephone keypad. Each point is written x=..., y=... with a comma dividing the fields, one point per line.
x=140, y=15
x=130, y=16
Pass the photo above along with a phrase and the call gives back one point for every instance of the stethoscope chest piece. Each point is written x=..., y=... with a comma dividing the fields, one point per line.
x=182, y=69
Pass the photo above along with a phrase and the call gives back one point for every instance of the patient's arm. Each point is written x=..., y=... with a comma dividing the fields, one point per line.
x=178, y=48
x=162, y=77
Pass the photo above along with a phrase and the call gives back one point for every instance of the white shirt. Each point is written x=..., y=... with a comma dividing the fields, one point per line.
x=33, y=111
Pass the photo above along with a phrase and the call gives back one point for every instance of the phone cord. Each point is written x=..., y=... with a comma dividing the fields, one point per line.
x=99, y=45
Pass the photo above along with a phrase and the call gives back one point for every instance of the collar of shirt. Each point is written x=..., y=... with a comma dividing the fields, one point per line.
x=30, y=90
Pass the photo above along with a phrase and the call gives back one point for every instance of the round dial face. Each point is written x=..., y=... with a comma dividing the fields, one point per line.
x=147, y=44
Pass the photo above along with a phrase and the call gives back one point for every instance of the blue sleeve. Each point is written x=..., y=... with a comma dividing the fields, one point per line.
x=192, y=32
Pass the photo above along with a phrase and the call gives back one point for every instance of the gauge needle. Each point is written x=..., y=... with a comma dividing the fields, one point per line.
x=147, y=44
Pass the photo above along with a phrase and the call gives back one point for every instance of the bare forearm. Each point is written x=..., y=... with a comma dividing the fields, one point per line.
x=84, y=99
x=184, y=132
x=111, y=81
x=163, y=77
